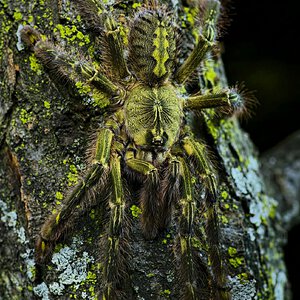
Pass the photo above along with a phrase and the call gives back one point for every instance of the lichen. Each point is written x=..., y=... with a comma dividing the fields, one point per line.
x=35, y=65
x=135, y=211
x=42, y=290
x=72, y=175
x=26, y=117
x=71, y=33
x=72, y=271
x=10, y=219
x=59, y=195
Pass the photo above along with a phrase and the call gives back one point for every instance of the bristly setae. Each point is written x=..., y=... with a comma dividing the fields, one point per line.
x=146, y=138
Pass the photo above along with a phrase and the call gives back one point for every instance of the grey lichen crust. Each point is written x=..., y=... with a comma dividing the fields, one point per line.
x=43, y=135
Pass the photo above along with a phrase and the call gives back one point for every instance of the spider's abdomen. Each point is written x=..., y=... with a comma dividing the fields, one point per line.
x=153, y=117
x=152, y=47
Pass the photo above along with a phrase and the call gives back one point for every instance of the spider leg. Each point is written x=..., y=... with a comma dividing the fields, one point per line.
x=197, y=151
x=170, y=191
x=58, y=223
x=150, y=194
x=230, y=101
x=115, y=240
x=102, y=23
x=206, y=41
x=64, y=66
x=207, y=101
x=192, y=271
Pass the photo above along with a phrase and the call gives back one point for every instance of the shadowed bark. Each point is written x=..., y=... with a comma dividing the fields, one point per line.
x=44, y=133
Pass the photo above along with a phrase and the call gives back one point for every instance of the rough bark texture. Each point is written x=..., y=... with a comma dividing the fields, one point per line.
x=43, y=136
x=281, y=169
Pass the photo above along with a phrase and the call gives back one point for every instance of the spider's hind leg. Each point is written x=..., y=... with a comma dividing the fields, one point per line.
x=198, y=152
x=114, y=242
x=64, y=217
x=193, y=273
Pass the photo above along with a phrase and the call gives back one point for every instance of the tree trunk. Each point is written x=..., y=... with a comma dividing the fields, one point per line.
x=43, y=137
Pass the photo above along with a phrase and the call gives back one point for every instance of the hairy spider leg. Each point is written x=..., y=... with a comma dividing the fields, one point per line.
x=199, y=153
x=208, y=101
x=150, y=196
x=229, y=101
x=103, y=25
x=170, y=191
x=193, y=273
x=115, y=240
x=66, y=67
x=58, y=223
x=206, y=41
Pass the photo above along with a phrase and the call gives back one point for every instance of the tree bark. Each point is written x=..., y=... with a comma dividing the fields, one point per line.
x=43, y=137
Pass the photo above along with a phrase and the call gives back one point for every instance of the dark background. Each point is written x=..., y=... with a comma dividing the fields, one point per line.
x=261, y=51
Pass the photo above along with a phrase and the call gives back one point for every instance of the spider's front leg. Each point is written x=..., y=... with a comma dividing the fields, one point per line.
x=76, y=203
x=229, y=101
x=66, y=67
x=199, y=153
x=102, y=24
x=206, y=41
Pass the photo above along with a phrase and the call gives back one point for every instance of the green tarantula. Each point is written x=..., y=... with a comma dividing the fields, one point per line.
x=146, y=138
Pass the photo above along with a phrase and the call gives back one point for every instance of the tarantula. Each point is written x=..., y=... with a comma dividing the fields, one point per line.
x=146, y=136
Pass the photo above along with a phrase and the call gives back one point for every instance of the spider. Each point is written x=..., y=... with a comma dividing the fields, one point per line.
x=145, y=137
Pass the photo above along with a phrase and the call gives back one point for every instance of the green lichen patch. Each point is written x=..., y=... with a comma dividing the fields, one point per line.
x=59, y=195
x=237, y=261
x=71, y=33
x=232, y=251
x=47, y=104
x=135, y=211
x=72, y=175
x=35, y=65
x=25, y=116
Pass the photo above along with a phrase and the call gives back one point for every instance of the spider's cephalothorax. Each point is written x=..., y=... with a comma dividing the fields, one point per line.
x=147, y=136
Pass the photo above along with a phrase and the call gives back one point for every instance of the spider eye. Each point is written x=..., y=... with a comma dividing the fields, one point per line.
x=157, y=140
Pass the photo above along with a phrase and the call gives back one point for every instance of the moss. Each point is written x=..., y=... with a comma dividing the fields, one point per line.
x=71, y=33
x=17, y=16
x=165, y=293
x=47, y=104
x=191, y=14
x=30, y=19
x=226, y=206
x=224, y=219
x=135, y=211
x=232, y=251
x=72, y=175
x=244, y=278
x=25, y=116
x=224, y=195
x=59, y=195
x=196, y=243
x=237, y=261
x=35, y=65
x=92, y=214
x=136, y=5
x=212, y=129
